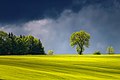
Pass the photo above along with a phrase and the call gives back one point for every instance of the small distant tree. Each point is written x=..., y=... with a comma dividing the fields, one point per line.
x=80, y=39
x=110, y=50
x=97, y=53
x=50, y=52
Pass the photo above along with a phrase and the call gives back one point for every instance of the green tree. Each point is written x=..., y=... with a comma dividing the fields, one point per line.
x=80, y=40
x=3, y=37
x=19, y=45
x=34, y=46
x=110, y=50
x=13, y=43
x=39, y=47
x=50, y=52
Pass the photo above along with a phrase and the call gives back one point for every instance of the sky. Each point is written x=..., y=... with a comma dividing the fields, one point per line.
x=53, y=21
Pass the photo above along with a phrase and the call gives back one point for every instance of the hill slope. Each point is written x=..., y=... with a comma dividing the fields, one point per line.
x=60, y=67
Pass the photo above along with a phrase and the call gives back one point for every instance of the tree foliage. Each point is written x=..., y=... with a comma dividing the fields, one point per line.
x=11, y=44
x=110, y=50
x=50, y=52
x=80, y=40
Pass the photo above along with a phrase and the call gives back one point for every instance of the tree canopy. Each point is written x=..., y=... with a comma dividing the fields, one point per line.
x=110, y=50
x=50, y=52
x=11, y=44
x=80, y=40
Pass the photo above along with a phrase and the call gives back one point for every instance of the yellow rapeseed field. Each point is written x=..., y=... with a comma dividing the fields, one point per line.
x=60, y=67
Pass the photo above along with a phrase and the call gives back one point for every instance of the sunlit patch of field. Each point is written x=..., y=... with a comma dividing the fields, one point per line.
x=60, y=67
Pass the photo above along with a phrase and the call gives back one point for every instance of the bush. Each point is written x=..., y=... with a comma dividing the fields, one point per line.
x=50, y=52
x=97, y=53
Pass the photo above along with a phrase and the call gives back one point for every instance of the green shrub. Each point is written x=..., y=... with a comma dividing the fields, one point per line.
x=97, y=53
x=50, y=52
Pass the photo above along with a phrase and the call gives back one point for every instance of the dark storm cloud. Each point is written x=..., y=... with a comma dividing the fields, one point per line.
x=16, y=11
x=25, y=10
x=100, y=20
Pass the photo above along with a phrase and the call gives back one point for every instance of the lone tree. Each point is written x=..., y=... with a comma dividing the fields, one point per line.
x=110, y=50
x=80, y=40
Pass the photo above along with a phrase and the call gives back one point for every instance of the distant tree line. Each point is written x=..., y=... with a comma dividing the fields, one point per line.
x=11, y=44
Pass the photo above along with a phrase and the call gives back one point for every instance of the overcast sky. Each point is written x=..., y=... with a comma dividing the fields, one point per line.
x=53, y=21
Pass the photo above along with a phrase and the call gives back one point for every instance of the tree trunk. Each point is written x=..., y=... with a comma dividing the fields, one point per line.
x=80, y=53
x=81, y=47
